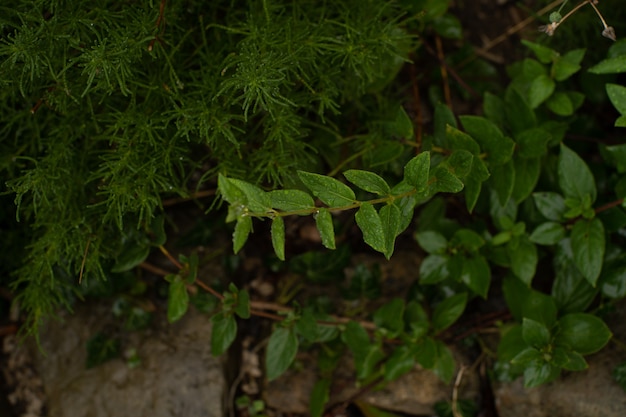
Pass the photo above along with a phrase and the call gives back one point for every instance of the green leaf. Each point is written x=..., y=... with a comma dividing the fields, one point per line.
x=527, y=172
x=157, y=227
x=551, y=205
x=445, y=365
x=613, y=280
x=390, y=217
x=539, y=307
x=575, y=178
x=177, y=299
x=367, y=181
x=324, y=223
x=223, y=332
x=540, y=373
x=535, y=334
x=617, y=95
x=544, y=54
x=523, y=255
x=399, y=363
x=290, y=200
x=468, y=240
x=618, y=156
x=131, y=256
x=431, y=241
x=588, y=243
x=561, y=104
x=390, y=315
x=371, y=225
x=527, y=356
x=443, y=118
x=416, y=171
x=242, y=308
x=448, y=26
x=461, y=141
x=243, y=227
x=619, y=375
x=229, y=191
x=460, y=163
x=327, y=189
x=307, y=325
x=257, y=200
x=357, y=340
x=499, y=148
x=448, y=311
x=520, y=116
x=476, y=274
x=502, y=181
x=443, y=181
x=540, y=89
x=548, y=233
x=320, y=395
x=567, y=65
x=493, y=108
x=278, y=237
x=583, y=333
x=533, y=143
x=613, y=65
x=281, y=351
x=434, y=269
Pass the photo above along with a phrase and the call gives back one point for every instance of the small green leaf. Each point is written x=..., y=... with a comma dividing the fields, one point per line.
x=617, y=95
x=551, y=205
x=307, y=326
x=177, y=299
x=588, y=243
x=502, y=181
x=539, y=307
x=583, y=333
x=290, y=200
x=467, y=239
x=520, y=116
x=390, y=217
x=242, y=308
x=157, y=227
x=416, y=171
x=533, y=143
x=320, y=395
x=540, y=372
x=448, y=311
x=541, y=88
x=618, y=156
x=281, y=351
x=431, y=241
x=610, y=66
x=527, y=172
x=535, y=334
x=544, y=54
x=613, y=280
x=570, y=290
x=460, y=163
x=278, y=237
x=243, y=227
x=445, y=365
x=567, y=65
x=371, y=225
x=257, y=200
x=548, y=233
x=390, y=315
x=461, y=141
x=223, y=332
x=434, y=269
x=357, y=340
x=229, y=191
x=368, y=181
x=561, y=104
x=523, y=255
x=448, y=26
x=327, y=189
x=499, y=148
x=324, y=223
x=443, y=181
x=493, y=108
x=476, y=274
x=575, y=178
x=399, y=363
x=132, y=256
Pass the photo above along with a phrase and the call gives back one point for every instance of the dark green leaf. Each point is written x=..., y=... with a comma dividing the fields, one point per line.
x=448, y=311
x=613, y=280
x=523, y=255
x=540, y=373
x=278, y=237
x=443, y=118
x=390, y=315
x=518, y=113
x=610, y=66
x=307, y=326
x=575, y=178
x=445, y=365
x=443, y=181
x=544, y=54
x=533, y=143
x=551, y=205
x=539, y=307
x=476, y=275
x=431, y=241
x=502, y=181
x=327, y=189
x=177, y=299
x=619, y=374
x=527, y=356
x=568, y=359
x=132, y=256
x=434, y=269
x=416, y=171
x=460, y=163
x=618, y=155
x=535, y=334
x=448, y=26
x=242, y=308
x=399, y=363
x=319, y=397
x=511, y=343
x=371, y=225
x=583, y=333
x=223, y=332
x=567, y=65
x=281, y=351
x=467, y=239
x=548, y=233
x=541, y=88
x=617, y=95
x=243, y=227
x=367, y=181
x=493, y=108
x=588, y=243
x=357, y=340
x=571, y=291
x=229, y=191
x=291, y=200
x=390, y=218
x=527, y=172
x=157, y=227
x=560, y=103
x=324, y=223
x=461, y=141
x=499, y=148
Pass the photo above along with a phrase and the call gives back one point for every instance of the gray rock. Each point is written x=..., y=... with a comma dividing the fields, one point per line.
x=177, y=375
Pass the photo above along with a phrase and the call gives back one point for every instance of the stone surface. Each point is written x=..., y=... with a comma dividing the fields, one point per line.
x=177, y=375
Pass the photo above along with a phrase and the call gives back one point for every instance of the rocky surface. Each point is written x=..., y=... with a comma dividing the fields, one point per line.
x=176, y=376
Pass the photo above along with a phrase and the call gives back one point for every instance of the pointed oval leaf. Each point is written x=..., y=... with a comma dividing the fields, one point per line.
x=434, y=269
x=527, y=172
x=243, y=227
x=548, y=233
x=575, y=177
x=291, y=200
x=229, y=191
x=614, y=65
x=131, y=257
x=177, y=299
x=617, y=95
x=390, y=217
x=371, y=225
x=329, y=190
x=368, y=181
x=448, y=311
x=519, y=115
x=535, y=334
x=281, y=351
x=476, y=274
x=583, y=333
x=399, y=363
x=242, y=308
x=499, y=149
x=432, y=242
x=443, y=181
x=523, y=255
x=588, y=245
x=445, y=365
x=278, y=237
x=223, y=332
x=540, y=89
x=324, y=223
x=257, y=200
x=502, y=181
x=417, y=171
x=551, y=205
